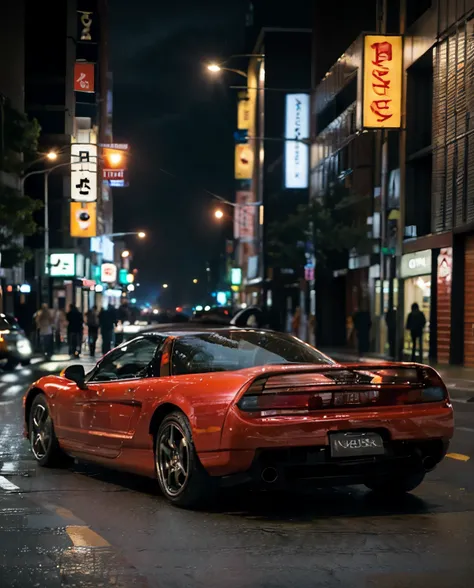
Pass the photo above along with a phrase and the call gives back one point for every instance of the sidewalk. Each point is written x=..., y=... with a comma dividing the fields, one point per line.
x=459, y=380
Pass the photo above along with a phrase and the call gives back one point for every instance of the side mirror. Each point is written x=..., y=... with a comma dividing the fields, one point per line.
x=76, y=373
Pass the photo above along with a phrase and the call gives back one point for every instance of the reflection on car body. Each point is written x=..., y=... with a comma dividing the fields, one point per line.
x=201, y=408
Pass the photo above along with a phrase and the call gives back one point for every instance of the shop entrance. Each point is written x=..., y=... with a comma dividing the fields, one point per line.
x=418, y=290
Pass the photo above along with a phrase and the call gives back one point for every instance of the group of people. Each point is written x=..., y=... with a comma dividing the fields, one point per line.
x=49, y=323
x=415, y=325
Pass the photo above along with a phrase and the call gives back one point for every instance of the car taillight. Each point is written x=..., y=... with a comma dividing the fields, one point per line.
x=434, y=389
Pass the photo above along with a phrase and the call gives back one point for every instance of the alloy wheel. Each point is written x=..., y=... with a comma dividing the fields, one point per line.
x=172, y=457
x=40, y=431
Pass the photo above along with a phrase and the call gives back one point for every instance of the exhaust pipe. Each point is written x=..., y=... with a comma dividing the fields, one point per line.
x=429, y=463
x=269, y=475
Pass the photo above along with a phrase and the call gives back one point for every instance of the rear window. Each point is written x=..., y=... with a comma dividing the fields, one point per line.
x=235, y=350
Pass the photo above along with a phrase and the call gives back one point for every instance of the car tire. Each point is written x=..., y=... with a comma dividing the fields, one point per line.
x=182, y=479
x=47, y=451
x=10, y=365
x=396, y=486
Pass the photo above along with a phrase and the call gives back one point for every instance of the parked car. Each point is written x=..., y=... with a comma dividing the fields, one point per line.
x=15, y=347
x=199, y=408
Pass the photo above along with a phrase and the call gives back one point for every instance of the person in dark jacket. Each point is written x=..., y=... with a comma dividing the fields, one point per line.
x=362, y=325
x=416, y=322
x=75, y=324
x=107, y=322
x=93, y=329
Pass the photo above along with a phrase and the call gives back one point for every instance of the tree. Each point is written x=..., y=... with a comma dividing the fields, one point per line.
x=329, y=223
x=18, y=144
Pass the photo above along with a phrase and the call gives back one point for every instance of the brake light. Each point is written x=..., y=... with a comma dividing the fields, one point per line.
x=303, y=393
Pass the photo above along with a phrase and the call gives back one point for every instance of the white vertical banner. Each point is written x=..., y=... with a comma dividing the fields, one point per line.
x=297, y=126
x=83, y=172
x=244, y=216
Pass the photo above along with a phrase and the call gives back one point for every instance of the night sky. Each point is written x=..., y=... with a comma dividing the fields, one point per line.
x=178, y=118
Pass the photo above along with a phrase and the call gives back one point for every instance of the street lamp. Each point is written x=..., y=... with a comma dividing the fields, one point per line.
x=195, y=281
x=165, y=286
x=125, y=253
x=52, y=155
x=214, y=67
x=218, y=214
x=141, y=235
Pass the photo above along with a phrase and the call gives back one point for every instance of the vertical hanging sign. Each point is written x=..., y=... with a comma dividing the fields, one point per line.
x=382, y=82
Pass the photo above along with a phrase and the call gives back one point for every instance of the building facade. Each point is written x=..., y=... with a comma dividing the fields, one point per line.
x=280, y=66
x=416, y=183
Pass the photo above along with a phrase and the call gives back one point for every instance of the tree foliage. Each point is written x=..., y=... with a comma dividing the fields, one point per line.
x=329, y=223
x=19, y=142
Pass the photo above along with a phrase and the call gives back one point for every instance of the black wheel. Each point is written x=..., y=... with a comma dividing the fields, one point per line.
x=43, y=441
x=11, y=365
x=396, y=486
x=181, y=477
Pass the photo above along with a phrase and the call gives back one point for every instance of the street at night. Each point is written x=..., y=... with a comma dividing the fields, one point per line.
x=86, y=526
x=237, y=294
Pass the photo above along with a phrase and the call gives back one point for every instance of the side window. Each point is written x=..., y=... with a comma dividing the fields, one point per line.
x=127, y=362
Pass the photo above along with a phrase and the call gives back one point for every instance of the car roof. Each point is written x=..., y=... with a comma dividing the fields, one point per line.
x=180, y=330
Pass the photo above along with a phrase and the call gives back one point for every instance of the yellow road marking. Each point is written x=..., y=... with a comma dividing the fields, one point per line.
x=458, y=456
x=85, y=537
x=65, y=513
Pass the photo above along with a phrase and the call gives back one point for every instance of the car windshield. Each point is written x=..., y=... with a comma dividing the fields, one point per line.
x=235, y=350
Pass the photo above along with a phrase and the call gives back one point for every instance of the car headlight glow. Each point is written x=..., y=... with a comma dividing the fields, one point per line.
x=23, y=347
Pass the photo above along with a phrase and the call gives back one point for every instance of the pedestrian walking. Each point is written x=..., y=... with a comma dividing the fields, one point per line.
x=75, y=325
x=92, y=319
x=416, y=322
x=107, y=322
x=44, y=323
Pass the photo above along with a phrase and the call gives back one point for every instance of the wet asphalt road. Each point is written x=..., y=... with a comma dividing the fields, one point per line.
x=87, y=527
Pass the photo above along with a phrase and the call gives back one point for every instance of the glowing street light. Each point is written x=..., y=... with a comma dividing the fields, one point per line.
x=141, y=234
x=125, y=253
x=218, y=214
x=214, y=67
x=52, y=155
x=115, y=158
x=165, y=286
x=195, y=281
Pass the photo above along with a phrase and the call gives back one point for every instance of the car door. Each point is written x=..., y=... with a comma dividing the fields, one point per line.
x=109, y=404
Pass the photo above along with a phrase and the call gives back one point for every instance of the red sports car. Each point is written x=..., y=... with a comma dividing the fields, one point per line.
x=201, y=409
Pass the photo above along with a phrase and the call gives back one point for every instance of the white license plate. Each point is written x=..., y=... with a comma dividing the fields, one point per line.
x=353, y=444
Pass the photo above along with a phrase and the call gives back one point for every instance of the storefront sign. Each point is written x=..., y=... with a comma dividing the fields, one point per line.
x=85, y=25
x=236, y=276
x=244, y=216
x=83, y=172
x=83, y=219
x=62, y=265
x=84, y=77
x=113, y=174
x=243, y=162
x=297, y=152
x=243, y=114
x=123, y=276
x=108, y=273
x=382, y=82
x=416, y=264
x=103, y=245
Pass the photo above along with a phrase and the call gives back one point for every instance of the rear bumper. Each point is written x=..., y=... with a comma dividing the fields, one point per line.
x=410, y=434
x=303, y=466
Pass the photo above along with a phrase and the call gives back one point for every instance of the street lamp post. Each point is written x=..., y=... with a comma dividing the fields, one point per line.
x=46, y=173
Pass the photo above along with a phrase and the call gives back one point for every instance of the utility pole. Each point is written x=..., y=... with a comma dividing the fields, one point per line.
x=382, y=178
x=401, y=221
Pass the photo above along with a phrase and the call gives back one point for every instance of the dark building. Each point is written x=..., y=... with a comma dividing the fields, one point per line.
x=280, y=42
x=76, y=34
x=12, y=86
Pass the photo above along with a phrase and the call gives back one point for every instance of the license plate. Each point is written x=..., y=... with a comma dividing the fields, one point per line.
x=355, y=444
